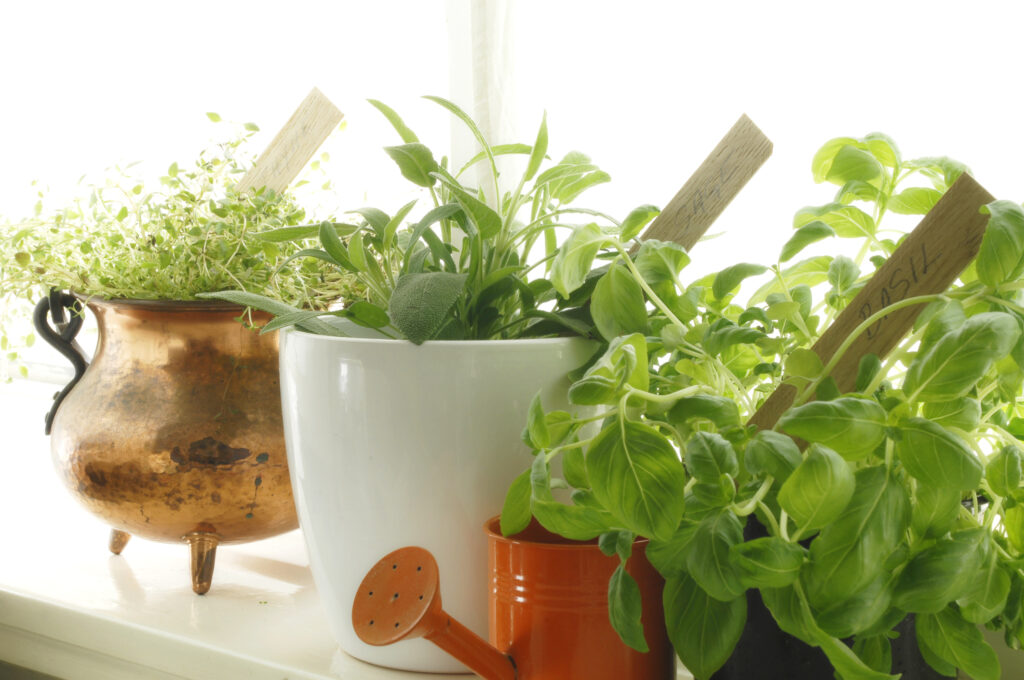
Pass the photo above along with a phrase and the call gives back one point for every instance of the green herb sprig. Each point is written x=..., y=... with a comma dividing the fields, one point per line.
x=909, y=498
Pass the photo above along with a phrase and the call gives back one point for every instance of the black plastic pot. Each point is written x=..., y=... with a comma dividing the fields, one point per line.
x=765, y=652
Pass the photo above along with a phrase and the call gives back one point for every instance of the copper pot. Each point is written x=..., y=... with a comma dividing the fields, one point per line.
x=173, y=431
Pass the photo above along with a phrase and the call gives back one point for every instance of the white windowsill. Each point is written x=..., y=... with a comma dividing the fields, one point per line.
x=70, y=609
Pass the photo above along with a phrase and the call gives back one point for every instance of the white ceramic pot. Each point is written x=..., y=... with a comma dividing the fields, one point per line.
x=393, y=444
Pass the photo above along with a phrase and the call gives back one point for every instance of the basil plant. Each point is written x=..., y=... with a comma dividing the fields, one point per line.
x=474, y=265
x=907, y=497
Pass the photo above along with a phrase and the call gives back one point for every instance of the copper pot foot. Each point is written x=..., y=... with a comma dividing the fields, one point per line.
x=118, y=540
x=204, y=551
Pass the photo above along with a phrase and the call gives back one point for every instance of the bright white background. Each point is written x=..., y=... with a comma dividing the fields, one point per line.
x=646, y=88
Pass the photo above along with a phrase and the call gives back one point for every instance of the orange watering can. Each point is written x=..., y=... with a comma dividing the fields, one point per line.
x=548, y=606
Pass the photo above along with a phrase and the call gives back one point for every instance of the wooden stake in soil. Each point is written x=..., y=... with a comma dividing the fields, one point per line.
x=927, y=262
x=712, y=187
x=286, y=155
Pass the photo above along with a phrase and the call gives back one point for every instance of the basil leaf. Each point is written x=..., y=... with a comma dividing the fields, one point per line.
x=936, y=456
x=730, y=278
x=772, y=453
x=635, y=474
x=939, y=574
x=818, y=490
x=617, y=304
x=850, y=164
x=624, y=606
x=708, y=561
x=963, y=413
x=660, y=263
x=575, y=258
x=1003, y=472
x=703, y=630
x=768, y=562
x=669, y=557
x=934, y=510
x=953, y=365
x=851, y=552
x=709, y=456
x=986, y=594
x=576, y=522
x=721, y=411
x=635, y=221
x=1001, y=256
x=859, y=612
x=914, y=201
x=515, y=513
x=875, y=651
x=959, y=644
x=849, y=426
x=809, y=233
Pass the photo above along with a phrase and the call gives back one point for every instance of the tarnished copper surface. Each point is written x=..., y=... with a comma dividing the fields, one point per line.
x=175, y=428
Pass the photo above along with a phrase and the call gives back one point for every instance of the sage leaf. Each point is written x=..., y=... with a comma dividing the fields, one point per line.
x=1001, y=257
x=953, y=365
x=703, y=630
x=936, y=456
x=850, y=426
x=709, y=456
x=396, y=121
x=420, y=303
x=940, y=573
x=851, y=552
x=415, y=161
x=617, y=304
x=624, y=606
x=540, y=149
x=708, y=562
x=768, y=562
x=818, y=490
x=636, y=475
x=959, y=644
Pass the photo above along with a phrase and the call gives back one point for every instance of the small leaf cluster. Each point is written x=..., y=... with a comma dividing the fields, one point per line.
x=479, y=262
x=191, y=233
x=902, y=497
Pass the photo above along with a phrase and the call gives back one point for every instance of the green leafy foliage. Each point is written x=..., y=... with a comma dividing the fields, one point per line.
x=908, y=494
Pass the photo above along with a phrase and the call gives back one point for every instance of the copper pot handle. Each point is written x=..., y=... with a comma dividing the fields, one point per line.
x=61, y=335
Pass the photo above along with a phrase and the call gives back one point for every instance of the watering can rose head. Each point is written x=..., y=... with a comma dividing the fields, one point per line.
x=866, y=424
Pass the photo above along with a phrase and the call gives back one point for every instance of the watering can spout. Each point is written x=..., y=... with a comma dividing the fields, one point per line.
x=400, y=598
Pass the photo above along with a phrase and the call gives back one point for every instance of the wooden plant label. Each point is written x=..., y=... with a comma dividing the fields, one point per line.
x=712, y=187
x=286, y=155
x=927, y=262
